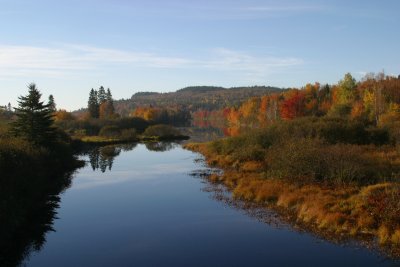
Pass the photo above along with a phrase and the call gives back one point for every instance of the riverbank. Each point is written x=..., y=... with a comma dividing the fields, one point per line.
x=369, y=211
x=100, y=140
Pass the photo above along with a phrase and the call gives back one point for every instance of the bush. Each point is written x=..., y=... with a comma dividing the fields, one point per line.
x=17, y=154
x=110, y=131
x=161, y=130
x=308, y=160
x=94, y=126
x=128, y=134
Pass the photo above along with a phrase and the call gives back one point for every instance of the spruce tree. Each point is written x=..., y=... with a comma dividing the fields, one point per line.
x=34, y=121
x=52, y=103
x=93, y=104
x=101, y=95
x=110, y=101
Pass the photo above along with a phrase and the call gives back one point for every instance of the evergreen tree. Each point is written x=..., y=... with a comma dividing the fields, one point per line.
x=109, y=95
x=101, y=95
x=52, y=104
x=106, y=110
x=34, y=121
x=110, y=101
x=93, y=104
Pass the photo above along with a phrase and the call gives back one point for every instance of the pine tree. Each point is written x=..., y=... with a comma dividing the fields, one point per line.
x=106, y=110
x=52, y=103
x=34, y=121
x=110, y=101
x=101, y=95
x=93, y=104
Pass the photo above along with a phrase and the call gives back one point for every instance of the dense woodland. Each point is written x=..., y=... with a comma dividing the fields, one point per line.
x=192, y=98
x=374, y=100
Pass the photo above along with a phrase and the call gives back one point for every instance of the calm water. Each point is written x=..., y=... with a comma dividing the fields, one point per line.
x=148, y=211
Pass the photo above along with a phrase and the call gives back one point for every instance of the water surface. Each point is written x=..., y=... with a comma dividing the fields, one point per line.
x=141, y=207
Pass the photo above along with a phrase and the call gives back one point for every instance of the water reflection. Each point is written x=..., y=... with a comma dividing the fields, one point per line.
x=161, y=146
x=27, y=212
x=102, y=157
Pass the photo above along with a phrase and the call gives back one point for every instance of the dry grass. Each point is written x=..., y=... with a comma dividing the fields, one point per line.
x=352, y=210
x=396, y=237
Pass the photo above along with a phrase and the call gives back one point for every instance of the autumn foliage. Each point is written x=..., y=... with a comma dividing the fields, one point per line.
x=375, y=100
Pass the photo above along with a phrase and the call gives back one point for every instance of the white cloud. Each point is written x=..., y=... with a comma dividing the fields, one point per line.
x=22, y=61
x=65, y=60
x=230, y=60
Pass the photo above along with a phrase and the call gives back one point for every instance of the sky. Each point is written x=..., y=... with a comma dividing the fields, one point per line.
x=68, y=47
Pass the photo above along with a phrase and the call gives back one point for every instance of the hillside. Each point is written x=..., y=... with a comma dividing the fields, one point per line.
x=194, y=98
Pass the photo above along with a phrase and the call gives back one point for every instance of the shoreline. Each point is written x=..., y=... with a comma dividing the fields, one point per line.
x=334, y=213
x=97, y=140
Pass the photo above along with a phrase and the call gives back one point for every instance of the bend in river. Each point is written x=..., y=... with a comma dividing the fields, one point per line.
x=139, y=206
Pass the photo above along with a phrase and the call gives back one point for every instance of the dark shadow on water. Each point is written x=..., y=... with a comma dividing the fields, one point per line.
x=29, y=202
x=28, y=209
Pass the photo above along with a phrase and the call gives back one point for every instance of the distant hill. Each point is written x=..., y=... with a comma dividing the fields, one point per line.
x=193, y=98
x=201, y=89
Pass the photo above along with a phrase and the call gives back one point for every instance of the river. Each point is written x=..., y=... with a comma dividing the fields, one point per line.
x=139, y=206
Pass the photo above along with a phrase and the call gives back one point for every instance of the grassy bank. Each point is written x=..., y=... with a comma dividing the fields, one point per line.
x=114, y=135
x=348, y=188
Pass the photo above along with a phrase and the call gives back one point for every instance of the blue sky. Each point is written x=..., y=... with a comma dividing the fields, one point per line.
x=68, y=47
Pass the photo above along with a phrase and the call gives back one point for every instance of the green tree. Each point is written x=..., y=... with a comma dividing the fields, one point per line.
x=110, y=102
x=101, y=95
x=93, y=104
x=34, y=121
x=52, y=103
x=106, y=110
x=346, y=92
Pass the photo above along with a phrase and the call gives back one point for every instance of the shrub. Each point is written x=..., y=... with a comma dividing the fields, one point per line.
x=295, y=159
x=110, y=131
x=306, y=160
x=161, y=130
x=128, y=134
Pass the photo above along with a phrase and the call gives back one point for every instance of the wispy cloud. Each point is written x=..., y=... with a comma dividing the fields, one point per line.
x=28, y=61
x=252, y=66
x=285, y=8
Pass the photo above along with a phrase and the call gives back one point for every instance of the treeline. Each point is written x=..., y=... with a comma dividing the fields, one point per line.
x=178, y=116
x=101, y=104
x=101, y=124
x=192, y=98
x=375, y=99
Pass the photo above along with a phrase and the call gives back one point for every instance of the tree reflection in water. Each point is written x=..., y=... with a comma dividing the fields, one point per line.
x=29, y=202
x=102, y=157
x=28, y=205
x=161, y=146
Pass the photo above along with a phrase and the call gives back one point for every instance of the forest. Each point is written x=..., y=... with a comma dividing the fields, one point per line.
x=192, y=98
